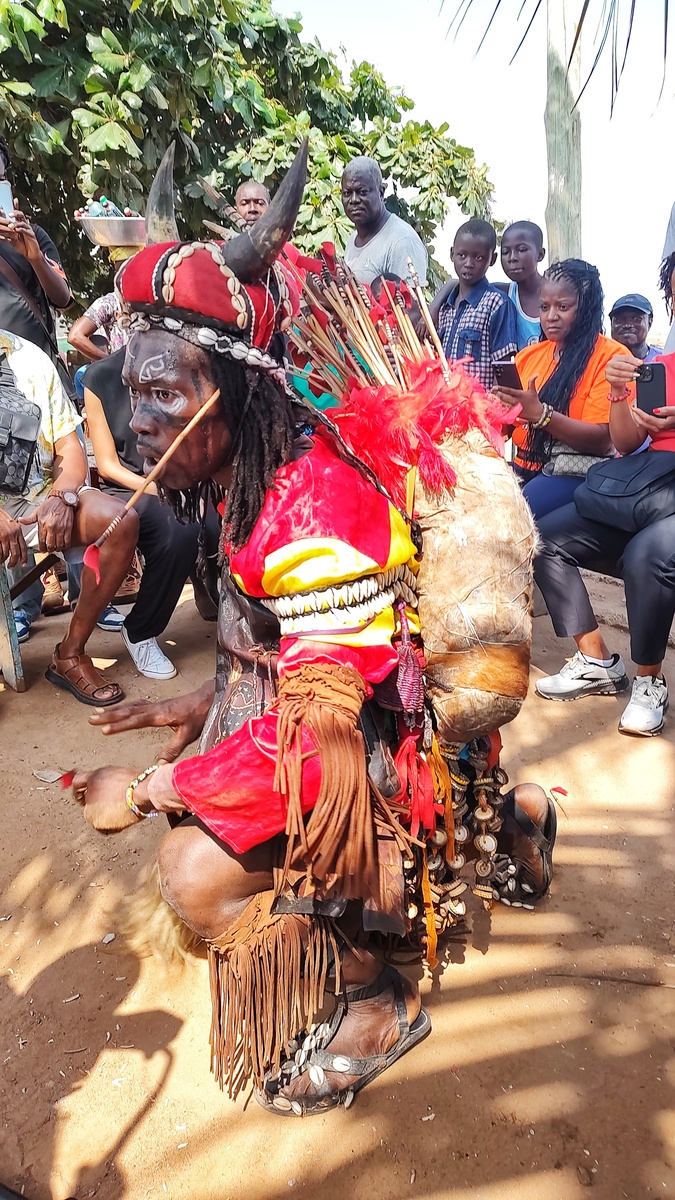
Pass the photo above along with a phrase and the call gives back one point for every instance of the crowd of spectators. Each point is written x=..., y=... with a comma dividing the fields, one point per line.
x=576, y=396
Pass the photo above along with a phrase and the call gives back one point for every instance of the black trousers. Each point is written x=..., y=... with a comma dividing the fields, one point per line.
x=646, y=561
x=169, y=551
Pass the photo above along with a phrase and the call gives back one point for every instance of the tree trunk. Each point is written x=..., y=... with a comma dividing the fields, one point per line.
x=563, y=134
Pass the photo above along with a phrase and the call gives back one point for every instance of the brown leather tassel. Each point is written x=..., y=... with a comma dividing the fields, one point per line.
x=335, y=844
x=268, y=977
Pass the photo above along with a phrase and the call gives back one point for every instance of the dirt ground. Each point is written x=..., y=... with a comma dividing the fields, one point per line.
x=551, y=1064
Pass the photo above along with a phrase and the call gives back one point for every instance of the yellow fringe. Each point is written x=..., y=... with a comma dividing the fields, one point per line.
x=442, y=792
x=429, y=917
x=151, y=927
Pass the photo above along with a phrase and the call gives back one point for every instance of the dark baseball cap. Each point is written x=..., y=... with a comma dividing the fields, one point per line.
x=633, y=300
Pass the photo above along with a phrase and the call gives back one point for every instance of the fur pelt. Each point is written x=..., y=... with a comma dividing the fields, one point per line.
x=150, y=926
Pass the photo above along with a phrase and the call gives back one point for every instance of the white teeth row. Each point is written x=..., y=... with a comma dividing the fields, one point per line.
x=346, y=596
x=357, y=615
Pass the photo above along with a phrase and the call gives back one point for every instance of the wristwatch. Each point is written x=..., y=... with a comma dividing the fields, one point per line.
x=70, y=498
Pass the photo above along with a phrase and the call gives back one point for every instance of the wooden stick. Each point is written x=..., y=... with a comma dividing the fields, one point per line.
x=433, y=333
x=150, y=478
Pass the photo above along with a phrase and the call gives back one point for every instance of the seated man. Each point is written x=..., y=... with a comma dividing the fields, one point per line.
x=57, y=511
x=169, y=547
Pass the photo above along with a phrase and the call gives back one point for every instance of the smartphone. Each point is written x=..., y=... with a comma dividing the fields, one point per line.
x=506, y=374
x=6, y=198
x=651, y=387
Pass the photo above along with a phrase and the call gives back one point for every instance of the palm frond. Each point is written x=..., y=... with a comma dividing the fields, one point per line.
x=616, y=23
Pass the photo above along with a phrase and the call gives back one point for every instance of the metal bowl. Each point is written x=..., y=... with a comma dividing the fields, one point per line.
x=114, y=231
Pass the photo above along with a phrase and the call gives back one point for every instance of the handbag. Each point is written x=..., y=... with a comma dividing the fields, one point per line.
x=565, y=461
x=629, y=493
x=19, y=428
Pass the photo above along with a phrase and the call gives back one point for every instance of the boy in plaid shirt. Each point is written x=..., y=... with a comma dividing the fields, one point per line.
x=476, y=320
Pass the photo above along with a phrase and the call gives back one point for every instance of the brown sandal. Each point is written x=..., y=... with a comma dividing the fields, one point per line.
x=79, y=676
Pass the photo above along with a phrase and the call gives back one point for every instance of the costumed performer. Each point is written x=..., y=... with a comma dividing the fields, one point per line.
x=291, y=861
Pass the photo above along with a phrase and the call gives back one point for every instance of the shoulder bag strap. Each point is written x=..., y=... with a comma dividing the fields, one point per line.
x=15, y=282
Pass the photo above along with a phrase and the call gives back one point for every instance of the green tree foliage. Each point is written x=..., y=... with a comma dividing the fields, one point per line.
x=91, y=93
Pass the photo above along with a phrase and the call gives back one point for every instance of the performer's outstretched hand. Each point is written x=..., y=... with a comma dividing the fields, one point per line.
x=184, y=714
x=103, y=794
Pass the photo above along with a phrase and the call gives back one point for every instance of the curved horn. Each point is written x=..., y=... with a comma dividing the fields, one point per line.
x=251, y=254
x=160, y=214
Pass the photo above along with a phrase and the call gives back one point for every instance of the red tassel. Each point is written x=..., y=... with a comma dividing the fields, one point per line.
x=91, y=559
x=418, y=786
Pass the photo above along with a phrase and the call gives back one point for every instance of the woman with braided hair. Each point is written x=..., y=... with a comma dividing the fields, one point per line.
x=563, y=427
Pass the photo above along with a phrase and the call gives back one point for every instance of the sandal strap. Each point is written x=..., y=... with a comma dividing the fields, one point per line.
x=88, y=687
x=345, y=1064
x=379, y=985
x=527, y=825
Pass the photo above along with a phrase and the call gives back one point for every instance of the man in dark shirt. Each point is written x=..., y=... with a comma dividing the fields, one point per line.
x=631, y=319
x=29, y=258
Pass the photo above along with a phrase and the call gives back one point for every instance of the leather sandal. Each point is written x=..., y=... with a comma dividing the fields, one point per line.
x=509, y=884
x=313, y=1054
x=79, y=676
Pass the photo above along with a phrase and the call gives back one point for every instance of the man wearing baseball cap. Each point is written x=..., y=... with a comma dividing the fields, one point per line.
x=631, y=318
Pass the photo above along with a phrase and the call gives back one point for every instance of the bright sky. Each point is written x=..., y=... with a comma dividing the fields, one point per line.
x=628, y=173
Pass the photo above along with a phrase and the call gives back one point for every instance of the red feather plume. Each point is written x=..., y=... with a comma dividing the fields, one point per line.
x=392, y=431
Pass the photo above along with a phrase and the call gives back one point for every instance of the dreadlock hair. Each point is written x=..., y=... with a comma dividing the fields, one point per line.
x=262, y=423
x=665, y=282
x=575, y=356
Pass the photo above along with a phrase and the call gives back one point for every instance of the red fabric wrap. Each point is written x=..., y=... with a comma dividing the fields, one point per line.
x=417, y=786
x=191, y=281
x=318, y=496
x=231, y=789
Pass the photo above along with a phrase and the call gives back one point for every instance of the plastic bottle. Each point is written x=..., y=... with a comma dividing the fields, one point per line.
x=111, y=210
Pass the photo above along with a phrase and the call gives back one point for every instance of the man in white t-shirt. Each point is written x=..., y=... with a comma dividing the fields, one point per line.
x=382, y=243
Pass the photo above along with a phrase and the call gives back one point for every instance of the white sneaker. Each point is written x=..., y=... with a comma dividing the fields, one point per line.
x=579, y=677
x=645, y=710
x=148, y=658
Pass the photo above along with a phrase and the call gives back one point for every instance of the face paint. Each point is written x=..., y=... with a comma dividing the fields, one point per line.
x=175, y=406
x=160, y=366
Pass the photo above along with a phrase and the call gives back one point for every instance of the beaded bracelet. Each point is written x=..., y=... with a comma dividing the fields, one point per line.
x=132, y=788
x=625, y=395
x=545, y=418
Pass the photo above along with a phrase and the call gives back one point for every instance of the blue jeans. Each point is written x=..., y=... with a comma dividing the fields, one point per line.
x=545, y=493
x=28, y=605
